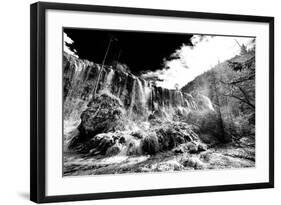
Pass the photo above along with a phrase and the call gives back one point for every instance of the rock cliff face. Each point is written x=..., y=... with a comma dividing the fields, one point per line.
x=139, y=98
x=117, y=111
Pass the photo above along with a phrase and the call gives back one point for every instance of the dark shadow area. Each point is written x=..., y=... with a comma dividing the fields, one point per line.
x=139, y=50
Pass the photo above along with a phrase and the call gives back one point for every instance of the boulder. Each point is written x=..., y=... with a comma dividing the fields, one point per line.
x=193, y=162
x=114, y=150
x=190, y=147
x=94, y=146
x=104, y=114
x=172, y=134
x=202, y=147
x=101, y=143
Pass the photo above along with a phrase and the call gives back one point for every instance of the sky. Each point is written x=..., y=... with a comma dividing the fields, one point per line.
x=68, y=41
x=175, y=59
x=206, y=52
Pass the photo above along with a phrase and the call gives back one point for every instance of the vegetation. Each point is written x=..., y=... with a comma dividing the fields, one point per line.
x=150, y=144
x=231, y=87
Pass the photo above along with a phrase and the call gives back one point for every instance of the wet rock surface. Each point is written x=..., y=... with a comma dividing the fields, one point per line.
x=102, y=115
x=133, y=152
x=214, y=158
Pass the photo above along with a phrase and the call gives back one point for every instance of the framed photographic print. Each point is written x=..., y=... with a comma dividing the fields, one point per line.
x=129, y=102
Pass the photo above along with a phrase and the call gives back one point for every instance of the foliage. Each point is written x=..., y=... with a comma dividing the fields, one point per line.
x=150, y=144
x=231, y=87
x=208, y=123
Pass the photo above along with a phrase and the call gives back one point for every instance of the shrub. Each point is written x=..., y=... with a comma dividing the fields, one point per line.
x=167, y=138
x=149, y=144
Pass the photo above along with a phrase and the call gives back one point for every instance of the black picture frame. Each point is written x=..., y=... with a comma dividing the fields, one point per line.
x=38, y=101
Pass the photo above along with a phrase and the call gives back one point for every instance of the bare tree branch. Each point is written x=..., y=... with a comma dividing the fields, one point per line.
x=250, y=77
x=246, y=97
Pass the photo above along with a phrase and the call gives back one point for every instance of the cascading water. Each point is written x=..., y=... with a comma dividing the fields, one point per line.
x=142, y=93
x=109, y=79
x=133, y=97
x=208, y=103
x=139, y=101
x=137, y=95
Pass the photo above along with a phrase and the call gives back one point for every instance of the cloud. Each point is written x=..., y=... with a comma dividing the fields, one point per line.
x=192, y=61
x=68, y=41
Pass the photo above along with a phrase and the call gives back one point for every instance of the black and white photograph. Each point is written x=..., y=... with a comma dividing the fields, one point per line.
x=140, y=102
x=143, y=102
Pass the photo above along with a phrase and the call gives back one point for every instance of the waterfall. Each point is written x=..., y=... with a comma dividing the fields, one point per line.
x=75, y=74
x=132, y=97
x=137, y=95
x=108, y=82
x=142, y=94
x=208, y=102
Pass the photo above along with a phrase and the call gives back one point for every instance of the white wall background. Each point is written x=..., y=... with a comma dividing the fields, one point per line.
x=14, y=103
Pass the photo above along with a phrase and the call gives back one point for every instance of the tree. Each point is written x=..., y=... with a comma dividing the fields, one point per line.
x=217, y=103
x=243, y=50
x=241, y=87
x=233, y=92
